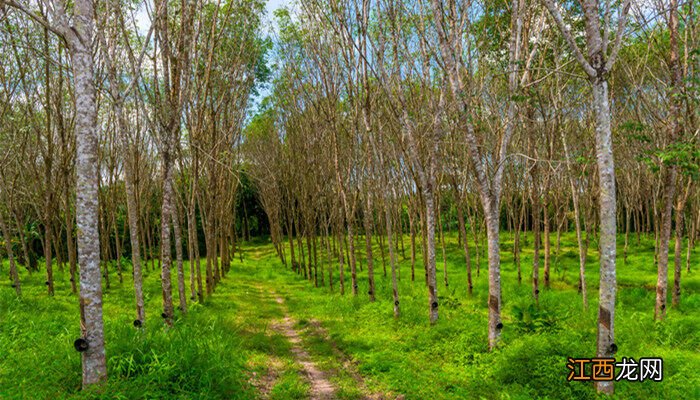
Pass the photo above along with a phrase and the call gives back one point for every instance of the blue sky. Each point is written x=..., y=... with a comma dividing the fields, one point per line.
x=143, y=21
x=275, y=4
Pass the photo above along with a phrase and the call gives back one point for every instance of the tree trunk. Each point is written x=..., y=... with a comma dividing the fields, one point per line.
x=380, y=240
x=165, y=250
x=341, y=267
x=400, y=235
x=190, y=255
x=351, y=252
x=302, y=255
x=627, y=230
x=117, y=243
x=11, y=256
x=87, y=214
x=104, y=241
x=215, y=258
x=638, y=226
x=608, y=225
x=465, y=243
x=70, y=243
x=367, y=218
x=178, y=254
x=329, y=257
x=494, y=301
x=198, y=264
x=57, y=248
x=430, y=267
x=315, y=250
x=47, y=254
x=676, y=297
x=210, y=258
x=424, y=242
x=149, y=240
x=224, y=253
x=675, y=132
x=475, y=235
x=547, y=241
x=48, y=184
x=516, y=243
x=192, y=234
x=680, y=207
x=561, y=220
x=536, y=257
x=579, y=239
x=691, y=245
x=309, y=267
x=442, y=245
x=132, y=211
x=392, y=260
x=412, y=229
x=23, y=241
x=290, y=237
x=132, y=215
x=663, y=246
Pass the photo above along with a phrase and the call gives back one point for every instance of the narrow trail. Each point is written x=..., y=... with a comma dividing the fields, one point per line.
x=309, y=354
x=321, y=387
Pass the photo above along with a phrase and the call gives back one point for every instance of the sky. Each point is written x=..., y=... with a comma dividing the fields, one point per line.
x=144, y=23
x=275, y=4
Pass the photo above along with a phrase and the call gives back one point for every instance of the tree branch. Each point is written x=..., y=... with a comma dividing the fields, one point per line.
x=20, y=7
x=569, y=39
x=621, y=23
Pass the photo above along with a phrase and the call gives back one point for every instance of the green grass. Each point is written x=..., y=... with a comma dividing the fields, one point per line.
x=451, y=360
x=210, y=353
x=213, y=351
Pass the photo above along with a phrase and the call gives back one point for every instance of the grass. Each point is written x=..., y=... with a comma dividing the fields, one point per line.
x=210, y=353
x=451, y=360
x=219, y=349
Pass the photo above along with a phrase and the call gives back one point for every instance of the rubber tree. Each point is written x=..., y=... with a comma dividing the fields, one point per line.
x=78, y=35
x=597, y=64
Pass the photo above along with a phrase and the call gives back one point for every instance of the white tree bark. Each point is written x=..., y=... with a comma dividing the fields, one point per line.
x=598, y=68
x=608, y=226
x=166, y=215
x=78, y=33
x=87, y=214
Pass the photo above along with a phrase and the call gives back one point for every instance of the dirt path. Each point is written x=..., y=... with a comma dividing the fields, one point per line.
x=321, y=387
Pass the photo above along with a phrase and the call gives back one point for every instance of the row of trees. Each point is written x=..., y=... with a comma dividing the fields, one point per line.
x=124, y=118
x=392, y=117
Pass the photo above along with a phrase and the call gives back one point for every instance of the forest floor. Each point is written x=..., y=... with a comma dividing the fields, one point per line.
x=269, y=333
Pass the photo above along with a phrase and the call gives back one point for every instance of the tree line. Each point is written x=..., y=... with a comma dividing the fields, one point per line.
x=112, y=125
x=393, y=118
